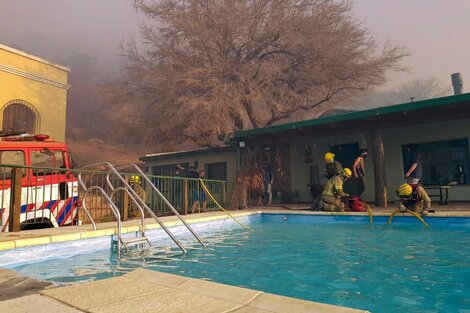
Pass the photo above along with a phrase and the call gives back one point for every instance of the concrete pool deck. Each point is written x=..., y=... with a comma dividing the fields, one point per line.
x=144, y=291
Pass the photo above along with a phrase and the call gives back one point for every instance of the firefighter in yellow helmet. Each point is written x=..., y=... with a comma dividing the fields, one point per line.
x=414, y=198
x=332, y=167
x=331, y=198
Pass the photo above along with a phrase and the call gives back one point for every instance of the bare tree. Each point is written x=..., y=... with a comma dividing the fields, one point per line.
x=211, y=67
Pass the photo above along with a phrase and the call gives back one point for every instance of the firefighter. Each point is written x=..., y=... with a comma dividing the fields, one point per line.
x=414, y=198
x=331, y=198
x=332, y=167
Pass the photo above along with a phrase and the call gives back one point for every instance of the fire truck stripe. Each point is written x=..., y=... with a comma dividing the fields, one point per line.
x=31, y=206
x=53, y=205
x=70, y=211
x=44, y=205
x=63, y=210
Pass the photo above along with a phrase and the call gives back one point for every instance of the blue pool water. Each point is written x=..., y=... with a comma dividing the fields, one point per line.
x=342, y=260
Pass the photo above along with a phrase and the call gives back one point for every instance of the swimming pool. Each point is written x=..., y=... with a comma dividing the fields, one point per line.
x=342, y=260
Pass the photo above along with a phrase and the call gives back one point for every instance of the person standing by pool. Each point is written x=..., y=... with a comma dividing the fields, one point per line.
x=414, y=198
x=332, y=167
x=331, y=198
x=199, y=196
x=268, y=179
x=413, y=168
x=359, y=172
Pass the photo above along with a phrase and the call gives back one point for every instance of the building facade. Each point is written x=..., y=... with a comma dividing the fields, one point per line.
x=218, y=163
x=438, y=128
x=33, y=94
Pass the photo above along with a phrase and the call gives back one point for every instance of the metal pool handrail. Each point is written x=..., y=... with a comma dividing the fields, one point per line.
x=111, y=204
x=113, y=193
x=165, y=200
x=112, y=169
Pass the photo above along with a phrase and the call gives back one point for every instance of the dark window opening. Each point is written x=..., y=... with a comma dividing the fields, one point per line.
x=346, y=153
x=443, y=162
x=217, y=171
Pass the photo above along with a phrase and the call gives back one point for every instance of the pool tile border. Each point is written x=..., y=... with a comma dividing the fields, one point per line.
x=48, y=239
x=71, y=235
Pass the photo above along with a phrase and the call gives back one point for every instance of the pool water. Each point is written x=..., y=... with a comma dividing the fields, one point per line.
x=403, y=267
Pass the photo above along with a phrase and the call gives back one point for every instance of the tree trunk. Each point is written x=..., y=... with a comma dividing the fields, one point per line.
x=379, y=169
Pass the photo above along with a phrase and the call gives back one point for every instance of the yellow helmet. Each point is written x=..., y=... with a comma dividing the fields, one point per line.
x=134, y=179
x=405, y=190
x=329, y=156
x=346, y=172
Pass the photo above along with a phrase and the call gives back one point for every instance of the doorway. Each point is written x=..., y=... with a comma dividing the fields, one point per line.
x=346, y=153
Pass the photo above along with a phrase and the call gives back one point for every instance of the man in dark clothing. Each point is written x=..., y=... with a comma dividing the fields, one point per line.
x=199, y=195
x=192, y=173
x=268, y=179
x=360, y=172
x=412, y=167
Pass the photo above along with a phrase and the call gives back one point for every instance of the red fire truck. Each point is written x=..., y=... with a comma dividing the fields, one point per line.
x=49, y=190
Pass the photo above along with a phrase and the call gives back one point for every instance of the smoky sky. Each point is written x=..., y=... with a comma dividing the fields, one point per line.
x=436, y=32
x=59, y=29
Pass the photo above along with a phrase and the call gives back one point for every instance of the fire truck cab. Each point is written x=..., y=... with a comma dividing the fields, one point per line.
x=49, y=190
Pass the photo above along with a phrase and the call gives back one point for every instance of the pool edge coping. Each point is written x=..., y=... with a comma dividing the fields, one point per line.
x=237, y=297
x=109, y=231
x=87, y=234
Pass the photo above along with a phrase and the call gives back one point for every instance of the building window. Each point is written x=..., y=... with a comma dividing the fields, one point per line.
x=19, y=115
x=167, y=170
x=216, y=171
x=444, y=162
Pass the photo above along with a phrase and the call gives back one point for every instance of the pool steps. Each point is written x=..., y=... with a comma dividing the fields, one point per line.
x=135, y=241
x=139, y=202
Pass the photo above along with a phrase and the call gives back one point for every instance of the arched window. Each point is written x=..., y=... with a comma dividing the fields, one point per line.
x=19, y=115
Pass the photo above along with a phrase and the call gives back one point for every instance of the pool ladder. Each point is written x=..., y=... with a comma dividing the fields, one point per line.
x=137, y=200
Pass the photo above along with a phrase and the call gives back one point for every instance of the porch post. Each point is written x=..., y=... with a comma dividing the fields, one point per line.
x=379, y=169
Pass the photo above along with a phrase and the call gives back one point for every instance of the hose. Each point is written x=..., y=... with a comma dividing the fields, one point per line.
x=407, y=211
x=370, y=212
x=220, y=207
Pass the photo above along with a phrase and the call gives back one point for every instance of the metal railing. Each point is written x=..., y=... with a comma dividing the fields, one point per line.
x=187, y=194
x=155, y=190
x=134, y=196
x=52, y=196
x=46, y=197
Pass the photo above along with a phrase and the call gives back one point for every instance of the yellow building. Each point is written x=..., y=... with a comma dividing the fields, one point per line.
x=33, y=94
